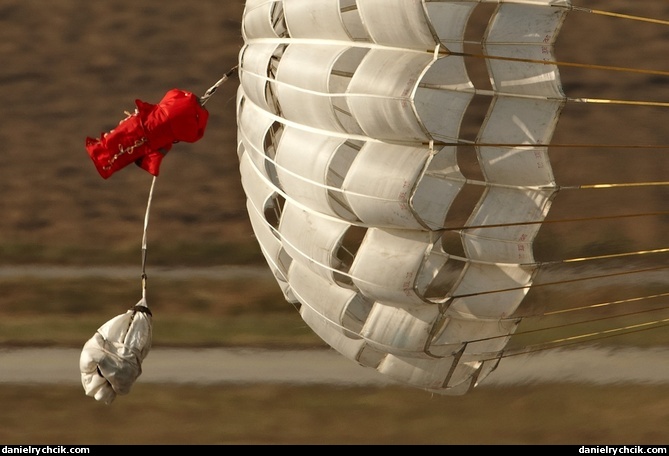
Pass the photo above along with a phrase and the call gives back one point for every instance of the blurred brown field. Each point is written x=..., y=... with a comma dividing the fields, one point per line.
x=70, y=69
x=322, y=415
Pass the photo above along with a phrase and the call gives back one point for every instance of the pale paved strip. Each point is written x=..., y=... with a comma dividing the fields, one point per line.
x=216, y=366
x=130, y=272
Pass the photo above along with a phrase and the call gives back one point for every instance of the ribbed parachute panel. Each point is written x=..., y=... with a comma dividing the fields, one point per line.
x=349, y=119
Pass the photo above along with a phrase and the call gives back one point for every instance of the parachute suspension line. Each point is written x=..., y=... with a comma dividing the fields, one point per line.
x=619, y=15
x=615, y=185
x=587, y=337
x=657, y=104
x=593, y=320
x=590, y=337
x=610, y=332
x=551, y=145
x=646, y=324
x=584, y=278
x=146, y=226
x=607, y=304
x=590, y=66
x=584, y=337
x=561, y=282
x=612, y=256
x=616, y=331
x=211, y=90
x=550, y=222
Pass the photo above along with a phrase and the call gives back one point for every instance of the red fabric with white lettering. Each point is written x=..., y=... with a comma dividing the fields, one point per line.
x=147, y=135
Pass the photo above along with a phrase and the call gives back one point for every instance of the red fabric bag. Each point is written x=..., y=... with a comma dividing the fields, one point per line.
x=145, y=136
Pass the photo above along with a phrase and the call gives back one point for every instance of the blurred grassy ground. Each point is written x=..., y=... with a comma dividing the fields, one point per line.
x=228, y=312
x=71, y=69
x=188, y=312
x=272, y=414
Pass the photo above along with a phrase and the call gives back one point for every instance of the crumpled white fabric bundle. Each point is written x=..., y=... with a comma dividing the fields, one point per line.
x=111, y=360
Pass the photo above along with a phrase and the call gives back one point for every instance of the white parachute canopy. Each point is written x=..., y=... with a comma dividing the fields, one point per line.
x=349, y=119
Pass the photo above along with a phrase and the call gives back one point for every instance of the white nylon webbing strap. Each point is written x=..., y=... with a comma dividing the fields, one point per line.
x=212, y=89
